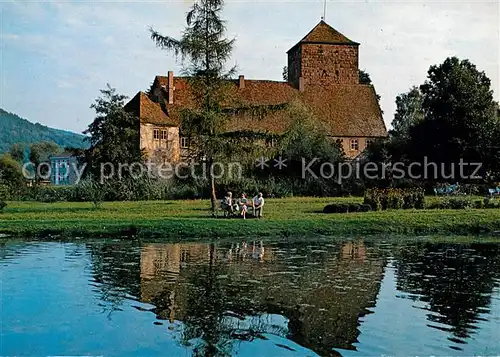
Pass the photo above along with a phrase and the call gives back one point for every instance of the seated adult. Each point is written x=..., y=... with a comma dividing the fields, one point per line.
x=227, y=203
x=258, y=204
x=242, y=204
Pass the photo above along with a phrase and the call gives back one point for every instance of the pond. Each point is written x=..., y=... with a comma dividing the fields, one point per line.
x=251, y=298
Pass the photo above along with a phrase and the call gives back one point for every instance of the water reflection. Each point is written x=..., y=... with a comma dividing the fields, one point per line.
x=216, y=290
x=260, y=298
x=454, y=281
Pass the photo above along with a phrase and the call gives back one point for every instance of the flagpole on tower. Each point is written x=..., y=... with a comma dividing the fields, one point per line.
x=324, y=11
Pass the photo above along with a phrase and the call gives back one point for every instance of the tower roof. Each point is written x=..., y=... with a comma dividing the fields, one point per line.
x=323, y=33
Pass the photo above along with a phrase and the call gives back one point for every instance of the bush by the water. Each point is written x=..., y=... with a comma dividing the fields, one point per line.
x=346, y=208
x=454, y=203
x=395, y=198
x=464, y=203
x=4, y=195
x=150, y=189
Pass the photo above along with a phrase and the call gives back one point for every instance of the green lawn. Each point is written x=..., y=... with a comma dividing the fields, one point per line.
x=291, y=217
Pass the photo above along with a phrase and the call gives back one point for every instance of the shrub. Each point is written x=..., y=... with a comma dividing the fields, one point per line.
x=354, y=207
x=491, y=203
x=394, y=198
x=459, y=203
x=4, y=192
x=365, y=208
x=3, y=204
x=452, y=203
x=346, y=208
x=478, y=204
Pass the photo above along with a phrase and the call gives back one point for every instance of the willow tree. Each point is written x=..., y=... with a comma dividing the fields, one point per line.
x=204, y=51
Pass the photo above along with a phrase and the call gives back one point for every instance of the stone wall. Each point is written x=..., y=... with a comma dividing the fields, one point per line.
x=323, y=64
x=160, y=150
x=329, y=64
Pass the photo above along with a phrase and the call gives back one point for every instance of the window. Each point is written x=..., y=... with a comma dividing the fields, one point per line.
x=184, y=142
x=156, y=134
x=164, y=135
x=354, y=145
x=369, y=142
x=273, y=142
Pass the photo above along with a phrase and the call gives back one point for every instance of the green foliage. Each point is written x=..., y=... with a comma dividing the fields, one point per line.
x=204, y=50
x=453, y=203
x=17, y=151
x=11, y=175
x=41, y=152
x=395, y=198
x=478, y=204
x=491, y=203
x=346, y=207
x=364, y=77
x=114, y=134
x=409, y=112
x=14, y=129
x=4, y=196
x=460, y=118
x=11, y=171
x=452, y=116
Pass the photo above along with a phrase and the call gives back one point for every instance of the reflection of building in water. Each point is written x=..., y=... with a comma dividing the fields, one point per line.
x=324, y=303
x=160, y=269
x=161, y=266
x=321, y=294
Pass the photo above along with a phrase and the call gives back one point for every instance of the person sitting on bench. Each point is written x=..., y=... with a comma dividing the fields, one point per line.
x=258, y=203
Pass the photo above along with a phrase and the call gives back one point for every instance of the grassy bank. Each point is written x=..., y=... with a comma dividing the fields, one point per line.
x=190, y=219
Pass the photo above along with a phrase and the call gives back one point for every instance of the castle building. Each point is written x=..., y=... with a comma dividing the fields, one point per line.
x=323, y=73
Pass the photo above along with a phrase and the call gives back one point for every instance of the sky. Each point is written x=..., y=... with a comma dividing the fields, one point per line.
x=56, y=55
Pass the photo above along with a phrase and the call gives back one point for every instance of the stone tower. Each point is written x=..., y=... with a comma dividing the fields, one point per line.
x=323, y=57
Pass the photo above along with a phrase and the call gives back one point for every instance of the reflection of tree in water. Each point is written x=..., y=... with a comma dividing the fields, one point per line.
x=115, y=270
x=227, y=294
x=455, y=280
x=322, y=295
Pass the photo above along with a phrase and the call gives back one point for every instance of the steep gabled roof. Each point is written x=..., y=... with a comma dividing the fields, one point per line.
x=323, y=33
x=149, y=111
x=345, y=110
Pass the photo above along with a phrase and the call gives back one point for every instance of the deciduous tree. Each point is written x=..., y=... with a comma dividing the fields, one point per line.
x=460, y=119
x=17, y=152
x=409, y=112
x=114, y=134
x=40, y=153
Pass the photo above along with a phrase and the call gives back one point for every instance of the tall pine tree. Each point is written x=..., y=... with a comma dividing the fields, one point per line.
x=204, y=50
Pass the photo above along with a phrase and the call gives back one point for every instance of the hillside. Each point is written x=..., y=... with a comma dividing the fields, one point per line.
x=14, y=129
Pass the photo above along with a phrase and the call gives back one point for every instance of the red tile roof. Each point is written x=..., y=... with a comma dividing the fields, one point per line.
x=346, y=110
x=323, y=33
x=149, y=111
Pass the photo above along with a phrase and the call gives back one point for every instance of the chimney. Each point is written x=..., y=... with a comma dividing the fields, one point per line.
x=170, y=87
x=301, y=84
x=241, y=81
